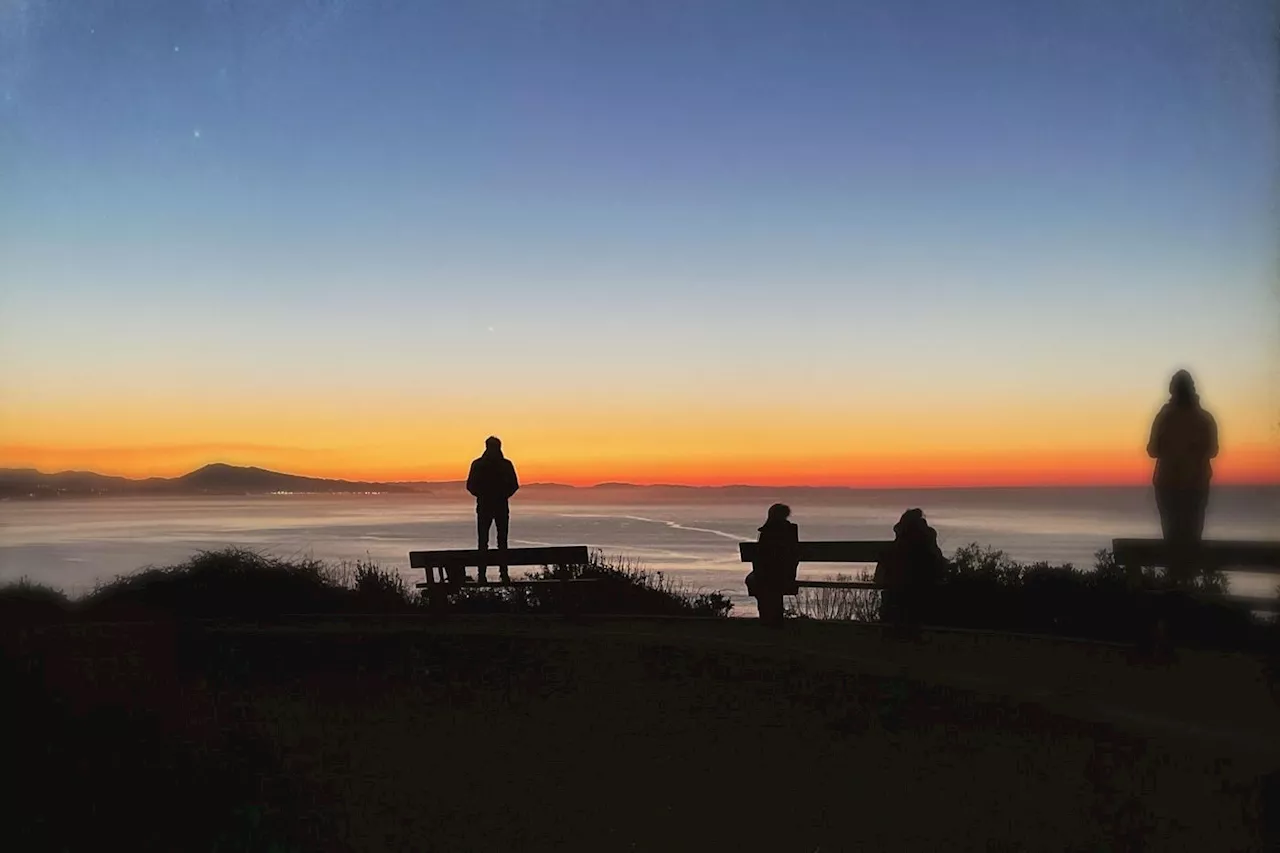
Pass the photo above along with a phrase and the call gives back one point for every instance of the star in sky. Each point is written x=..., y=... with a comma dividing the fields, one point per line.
x=196, y=133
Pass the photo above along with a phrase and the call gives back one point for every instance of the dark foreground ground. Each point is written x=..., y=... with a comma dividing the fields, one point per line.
x=501, y=734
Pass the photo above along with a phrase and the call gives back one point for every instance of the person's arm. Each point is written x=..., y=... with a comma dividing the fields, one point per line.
x=473, y=481
x=513, y=484
x=1212, y=426
x=1157, y=434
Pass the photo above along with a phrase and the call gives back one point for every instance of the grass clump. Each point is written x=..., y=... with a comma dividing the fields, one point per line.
x=850, y=605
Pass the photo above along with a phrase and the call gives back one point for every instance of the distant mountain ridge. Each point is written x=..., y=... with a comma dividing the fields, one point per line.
x=217, y=478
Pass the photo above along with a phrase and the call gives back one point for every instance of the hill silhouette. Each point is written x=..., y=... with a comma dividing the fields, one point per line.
x=217, y=478
x=220, y=478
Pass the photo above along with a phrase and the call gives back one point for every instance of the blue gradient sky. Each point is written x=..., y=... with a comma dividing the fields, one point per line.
x=292, y=225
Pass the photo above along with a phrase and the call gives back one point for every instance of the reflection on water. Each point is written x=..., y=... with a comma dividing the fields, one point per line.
x=74, y=544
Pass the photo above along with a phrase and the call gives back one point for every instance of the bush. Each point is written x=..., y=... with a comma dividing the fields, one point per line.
x=232, y=583
x=622, y=587
x=383, y=588
x=24, y=602
x=240, y=584
x=984, y=588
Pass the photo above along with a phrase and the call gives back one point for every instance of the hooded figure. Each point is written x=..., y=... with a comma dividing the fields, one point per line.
x=910, y=570
x=773, y=572
x=1184, y=438
x=492, y=480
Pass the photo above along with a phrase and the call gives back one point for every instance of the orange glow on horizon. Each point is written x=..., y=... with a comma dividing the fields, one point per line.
x=1248, y=465
x=966, y=440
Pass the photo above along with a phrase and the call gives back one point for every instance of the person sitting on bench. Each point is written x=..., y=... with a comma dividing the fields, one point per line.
x=492, y=480
x=910, y=570
x=773, y=573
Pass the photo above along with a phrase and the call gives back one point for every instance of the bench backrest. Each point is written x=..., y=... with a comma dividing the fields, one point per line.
x=1259, y=556
x=828, y=552
x=568, y=555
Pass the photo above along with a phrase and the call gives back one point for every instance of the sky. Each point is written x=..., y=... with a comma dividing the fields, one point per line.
x=910, y=242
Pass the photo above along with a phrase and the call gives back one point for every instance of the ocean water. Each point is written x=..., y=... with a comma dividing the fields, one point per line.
x=75, y=544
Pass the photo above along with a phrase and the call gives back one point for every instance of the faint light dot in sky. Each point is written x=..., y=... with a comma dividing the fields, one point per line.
x=196, y=133
x=175, y=48
x=491, y=328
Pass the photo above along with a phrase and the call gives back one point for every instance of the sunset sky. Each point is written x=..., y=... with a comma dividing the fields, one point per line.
x=910, y=242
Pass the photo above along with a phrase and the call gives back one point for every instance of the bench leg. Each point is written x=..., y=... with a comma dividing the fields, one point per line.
x=437, y=589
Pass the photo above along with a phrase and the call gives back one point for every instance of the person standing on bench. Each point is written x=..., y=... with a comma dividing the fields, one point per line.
x=1184, y=437
x=492, y=481
x=773, y=573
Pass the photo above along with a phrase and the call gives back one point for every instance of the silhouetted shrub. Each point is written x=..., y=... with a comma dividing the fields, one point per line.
x=232, y=583
x=24, y=602
x=239, y=584
x=381, y=588
x=621, y=587
x=984, y=588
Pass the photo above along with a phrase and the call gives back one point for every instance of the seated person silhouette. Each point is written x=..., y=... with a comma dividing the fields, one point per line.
x=910, y=570
x=1184, y=438
x=492, y=480
x=773, y=572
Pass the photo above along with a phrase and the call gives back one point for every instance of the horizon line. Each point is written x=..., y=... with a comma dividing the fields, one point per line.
x=659, y=485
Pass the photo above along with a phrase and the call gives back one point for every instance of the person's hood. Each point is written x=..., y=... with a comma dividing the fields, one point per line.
x=911, y=520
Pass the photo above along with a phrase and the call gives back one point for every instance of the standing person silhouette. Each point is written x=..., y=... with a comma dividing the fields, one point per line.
x=492, y=480
x=1184, y=437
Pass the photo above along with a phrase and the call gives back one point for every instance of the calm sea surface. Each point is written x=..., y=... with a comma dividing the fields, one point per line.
x=74, y=544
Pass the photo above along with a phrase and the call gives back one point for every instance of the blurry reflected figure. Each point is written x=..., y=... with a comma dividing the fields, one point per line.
x=1184, y=438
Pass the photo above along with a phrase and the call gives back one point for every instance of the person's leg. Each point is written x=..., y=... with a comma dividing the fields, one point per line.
x=770, y=606
x=1198, y=504
x=1164, y=505
x=1195, y=502
x=1188, y=530
x=483, y=521
x=503, y=520
x=1173, y=524
x=890, y=609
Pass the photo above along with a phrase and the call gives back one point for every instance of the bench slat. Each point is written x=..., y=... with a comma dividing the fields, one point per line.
x=1255, y=556
x=567, y=555
x=827, y=552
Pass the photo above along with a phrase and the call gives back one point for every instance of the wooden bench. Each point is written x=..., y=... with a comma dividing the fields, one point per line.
x=446, y=571
x=451, y=566
x=1215, y=555
x=830, y=552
